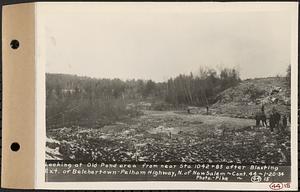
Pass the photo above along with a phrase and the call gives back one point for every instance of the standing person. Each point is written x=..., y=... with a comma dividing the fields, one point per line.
x=264, y=119
x=206, y=109
x=277, y=117
x=257, y=119
x=272, y=123
x=263, y=115
x=284, y=122
x=188, y=110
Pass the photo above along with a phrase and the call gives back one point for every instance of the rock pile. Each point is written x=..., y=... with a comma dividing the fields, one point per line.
x=246, y=98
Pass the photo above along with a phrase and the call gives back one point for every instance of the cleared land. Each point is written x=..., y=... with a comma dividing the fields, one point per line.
x=172, y=136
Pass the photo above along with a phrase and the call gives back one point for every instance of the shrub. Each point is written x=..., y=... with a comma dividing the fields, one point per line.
x=254, y=92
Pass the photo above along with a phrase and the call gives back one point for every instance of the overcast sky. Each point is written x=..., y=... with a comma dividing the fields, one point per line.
x=158, y=43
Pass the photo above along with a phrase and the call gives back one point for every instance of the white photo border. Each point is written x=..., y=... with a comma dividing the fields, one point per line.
x=42, y=9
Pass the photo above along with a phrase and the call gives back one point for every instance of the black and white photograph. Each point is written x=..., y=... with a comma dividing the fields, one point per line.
x=173, y=85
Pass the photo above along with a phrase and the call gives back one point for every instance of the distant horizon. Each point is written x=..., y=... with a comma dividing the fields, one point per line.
x=129, y=79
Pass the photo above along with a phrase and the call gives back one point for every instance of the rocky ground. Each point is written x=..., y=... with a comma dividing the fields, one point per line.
x=246, y=98
x=173, y=136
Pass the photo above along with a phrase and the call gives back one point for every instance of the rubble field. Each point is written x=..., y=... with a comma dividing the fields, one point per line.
x=245, y=99
x=172, y=136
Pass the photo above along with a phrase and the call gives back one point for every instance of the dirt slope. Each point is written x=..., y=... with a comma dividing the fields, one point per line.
x=246, y=98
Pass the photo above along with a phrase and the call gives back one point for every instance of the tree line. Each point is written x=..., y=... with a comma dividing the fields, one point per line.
x=85, y=101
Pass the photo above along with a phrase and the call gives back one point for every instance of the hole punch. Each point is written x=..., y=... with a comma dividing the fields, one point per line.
x=14, y=44
x=15, y=147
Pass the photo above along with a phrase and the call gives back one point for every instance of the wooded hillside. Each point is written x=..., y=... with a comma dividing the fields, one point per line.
x=85, y=101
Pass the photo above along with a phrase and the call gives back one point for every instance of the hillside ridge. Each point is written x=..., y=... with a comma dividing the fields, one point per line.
x=246, y=98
